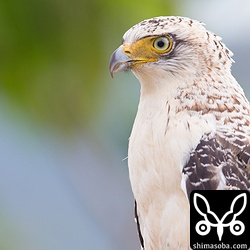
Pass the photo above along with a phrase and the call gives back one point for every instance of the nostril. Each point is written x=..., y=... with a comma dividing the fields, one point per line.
x=127, y=52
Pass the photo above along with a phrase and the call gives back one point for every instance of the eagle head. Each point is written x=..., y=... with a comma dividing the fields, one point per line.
x=170, y=46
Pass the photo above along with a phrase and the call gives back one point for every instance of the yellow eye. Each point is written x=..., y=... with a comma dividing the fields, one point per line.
x=162, y=44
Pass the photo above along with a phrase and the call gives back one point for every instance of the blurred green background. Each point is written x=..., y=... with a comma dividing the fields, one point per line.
x=55, y=55
x=65, y=123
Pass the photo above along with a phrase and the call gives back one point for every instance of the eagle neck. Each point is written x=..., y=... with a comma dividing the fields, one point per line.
x=158, y=89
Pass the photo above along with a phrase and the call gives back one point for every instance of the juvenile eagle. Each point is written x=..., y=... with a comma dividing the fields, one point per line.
x=192, y=128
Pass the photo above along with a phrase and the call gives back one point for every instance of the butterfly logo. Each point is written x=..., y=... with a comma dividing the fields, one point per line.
x=236, y=227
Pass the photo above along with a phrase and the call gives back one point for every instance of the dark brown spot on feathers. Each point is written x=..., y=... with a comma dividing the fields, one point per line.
x=138, y=225
x=214, y=157
x=208, y=36
x=154, y=21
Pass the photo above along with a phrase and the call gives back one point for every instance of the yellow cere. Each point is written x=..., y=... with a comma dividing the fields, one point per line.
x=148, y=49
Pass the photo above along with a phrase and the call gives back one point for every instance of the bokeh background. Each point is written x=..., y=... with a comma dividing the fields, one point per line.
x=65, y=123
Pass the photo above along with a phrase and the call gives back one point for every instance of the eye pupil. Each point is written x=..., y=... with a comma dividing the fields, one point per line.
x=160, y=44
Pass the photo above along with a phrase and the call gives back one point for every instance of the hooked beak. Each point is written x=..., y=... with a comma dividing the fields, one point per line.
x=119, y=61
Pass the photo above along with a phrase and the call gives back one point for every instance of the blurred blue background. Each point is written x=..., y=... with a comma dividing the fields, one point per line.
x=65, y=123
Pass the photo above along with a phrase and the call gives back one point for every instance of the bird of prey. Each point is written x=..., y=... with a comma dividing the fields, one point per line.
x=192, y=128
